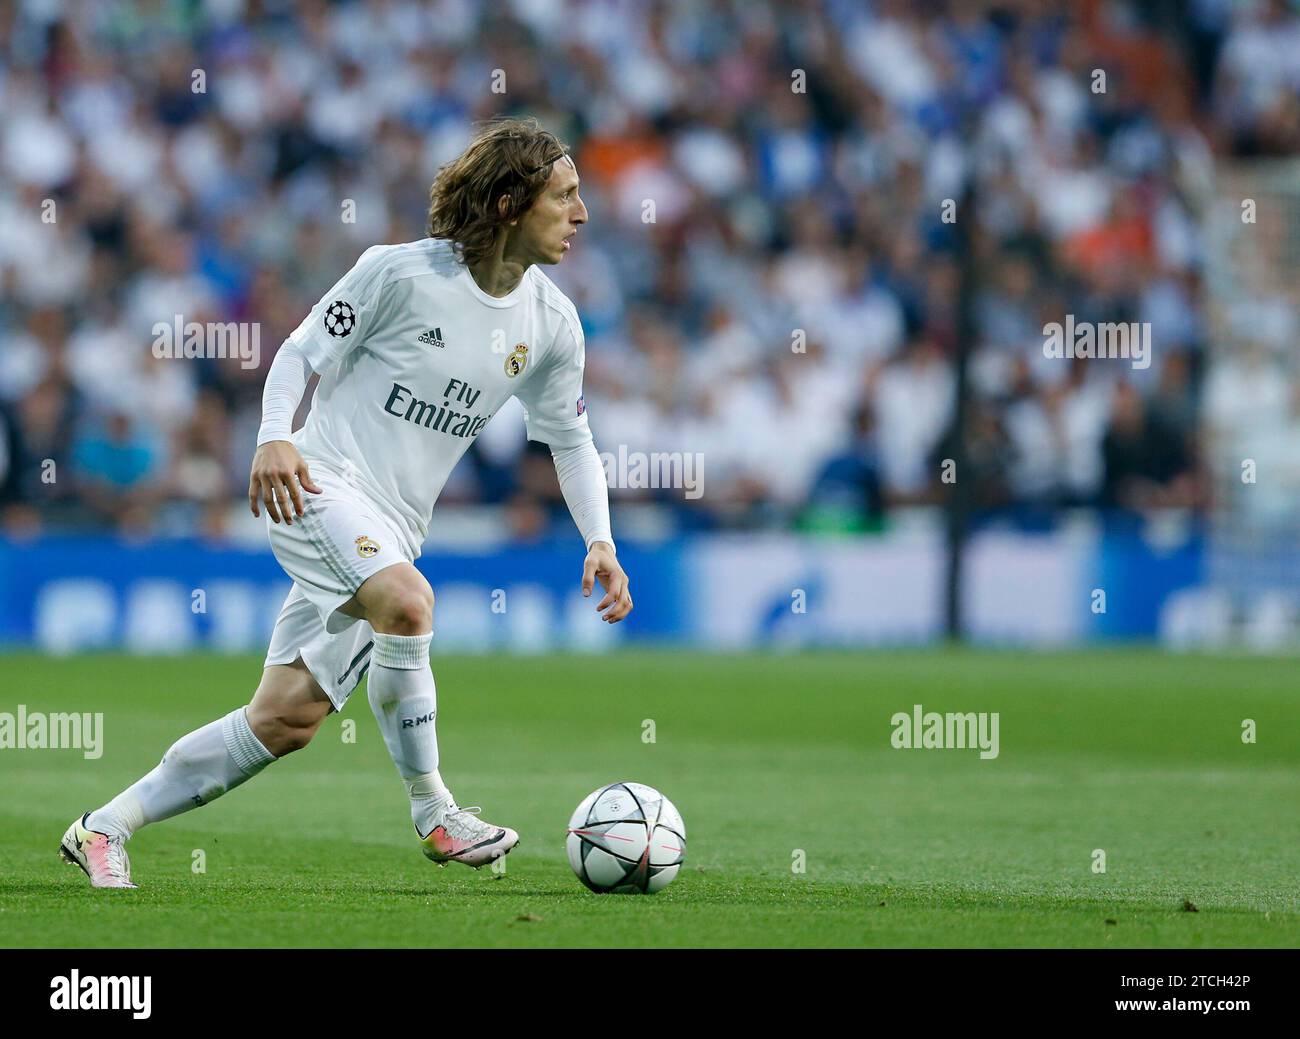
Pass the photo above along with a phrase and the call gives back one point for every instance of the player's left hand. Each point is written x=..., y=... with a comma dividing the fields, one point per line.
x=603, y=566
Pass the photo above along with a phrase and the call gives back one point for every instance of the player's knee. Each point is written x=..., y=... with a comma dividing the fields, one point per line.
x=409, y=611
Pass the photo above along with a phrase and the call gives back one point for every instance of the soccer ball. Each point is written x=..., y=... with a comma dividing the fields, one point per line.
x=626, y=838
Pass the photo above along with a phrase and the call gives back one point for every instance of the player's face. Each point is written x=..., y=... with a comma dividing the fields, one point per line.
x=546, y=231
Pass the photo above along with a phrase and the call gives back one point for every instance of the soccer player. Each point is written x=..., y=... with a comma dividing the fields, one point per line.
x=417, y=348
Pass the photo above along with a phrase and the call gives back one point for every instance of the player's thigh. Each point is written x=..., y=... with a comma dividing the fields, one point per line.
x=288, y=707
x=395, y=599
x=339, y=544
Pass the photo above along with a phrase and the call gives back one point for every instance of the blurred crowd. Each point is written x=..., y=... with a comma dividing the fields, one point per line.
x=797, y=208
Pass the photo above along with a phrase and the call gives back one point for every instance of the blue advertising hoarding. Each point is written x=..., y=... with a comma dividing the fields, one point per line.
x=728, y=592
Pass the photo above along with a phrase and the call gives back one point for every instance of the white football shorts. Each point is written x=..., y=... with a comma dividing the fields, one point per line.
x=338, y=542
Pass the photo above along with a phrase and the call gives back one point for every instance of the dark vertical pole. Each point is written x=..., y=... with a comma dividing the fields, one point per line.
x=959, y=496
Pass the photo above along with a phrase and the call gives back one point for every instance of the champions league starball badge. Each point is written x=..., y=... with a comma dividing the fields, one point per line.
x=340, y=319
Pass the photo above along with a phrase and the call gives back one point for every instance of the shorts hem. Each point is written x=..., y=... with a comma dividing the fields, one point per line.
x=336, y=697
x=328, y=608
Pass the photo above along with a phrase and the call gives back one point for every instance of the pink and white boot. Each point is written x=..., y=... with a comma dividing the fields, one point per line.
x=459, y=835
x=101, y=857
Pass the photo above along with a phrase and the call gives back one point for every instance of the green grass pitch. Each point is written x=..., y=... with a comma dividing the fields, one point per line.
x=1133, y=752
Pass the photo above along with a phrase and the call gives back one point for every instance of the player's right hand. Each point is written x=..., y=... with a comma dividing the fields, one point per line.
x=278, y=469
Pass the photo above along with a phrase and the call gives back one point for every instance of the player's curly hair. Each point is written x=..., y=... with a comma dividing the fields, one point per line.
x=507, y=156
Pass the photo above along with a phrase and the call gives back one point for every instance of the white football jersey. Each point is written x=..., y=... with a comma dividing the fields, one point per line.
x=415, y=359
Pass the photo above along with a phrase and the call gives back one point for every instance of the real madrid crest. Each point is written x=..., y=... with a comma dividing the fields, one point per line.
x=516, y=361
x=366, y=547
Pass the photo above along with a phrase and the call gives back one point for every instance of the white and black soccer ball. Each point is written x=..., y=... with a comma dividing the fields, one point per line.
x=340, y=319
x=626, y=838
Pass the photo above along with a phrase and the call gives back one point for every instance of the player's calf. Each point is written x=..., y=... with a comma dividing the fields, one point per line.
x=288, y=708
x=398, y=604
x=201, y=766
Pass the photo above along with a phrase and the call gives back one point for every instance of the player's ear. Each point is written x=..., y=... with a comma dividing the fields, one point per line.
x=503, y=207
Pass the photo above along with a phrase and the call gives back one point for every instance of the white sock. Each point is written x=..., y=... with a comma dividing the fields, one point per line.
x=404, y=699
x=197, y=768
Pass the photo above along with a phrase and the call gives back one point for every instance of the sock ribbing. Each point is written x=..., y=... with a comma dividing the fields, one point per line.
x=247, y=750
x=404, y=652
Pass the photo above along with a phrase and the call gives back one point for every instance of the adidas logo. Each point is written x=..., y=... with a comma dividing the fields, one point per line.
x=433, y=337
